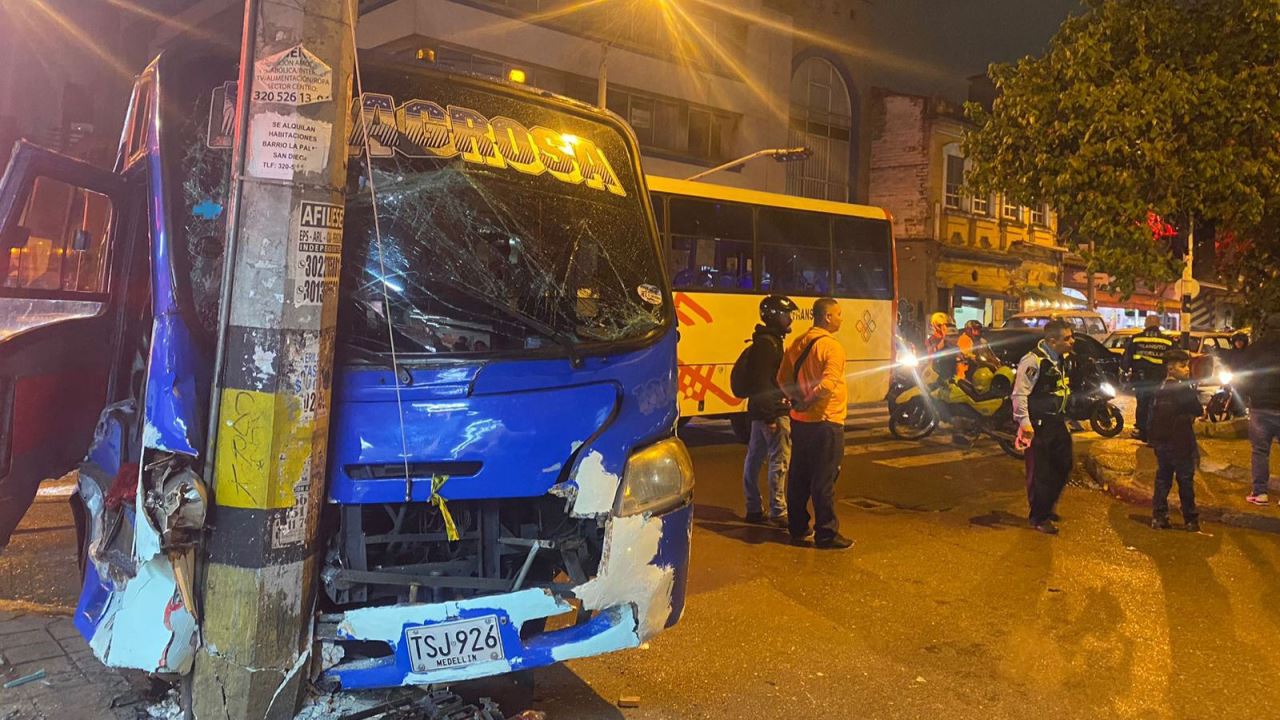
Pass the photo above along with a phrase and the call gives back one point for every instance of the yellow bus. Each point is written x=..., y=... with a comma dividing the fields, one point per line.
x=728, y=248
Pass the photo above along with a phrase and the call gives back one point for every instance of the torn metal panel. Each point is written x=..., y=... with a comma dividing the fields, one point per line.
x=629, y=575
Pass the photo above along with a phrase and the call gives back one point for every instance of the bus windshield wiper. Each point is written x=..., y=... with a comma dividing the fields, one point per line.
x=520, y=316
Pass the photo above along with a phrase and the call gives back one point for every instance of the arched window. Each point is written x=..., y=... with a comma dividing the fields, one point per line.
x=821, y=120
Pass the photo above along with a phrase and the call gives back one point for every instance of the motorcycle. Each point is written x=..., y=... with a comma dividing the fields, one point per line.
x=1093, y=399
x=1226, y=403
x=919, y=401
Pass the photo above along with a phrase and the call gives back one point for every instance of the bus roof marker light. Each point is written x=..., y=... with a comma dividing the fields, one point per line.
x=516, y=75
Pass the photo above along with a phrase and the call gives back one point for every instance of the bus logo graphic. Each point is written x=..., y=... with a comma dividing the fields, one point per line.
x=866, y=326
x=695, y=381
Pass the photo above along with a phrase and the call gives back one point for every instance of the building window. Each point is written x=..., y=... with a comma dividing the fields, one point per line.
x=1038, y=215
x=954, y=182
x=673, y=126
x=821, y=119
x=1010, y=211
x=979, y=205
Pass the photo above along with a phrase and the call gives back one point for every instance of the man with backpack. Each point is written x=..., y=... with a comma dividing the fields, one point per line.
x=754, y=378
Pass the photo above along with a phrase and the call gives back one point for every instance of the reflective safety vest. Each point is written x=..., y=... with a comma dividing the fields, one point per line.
x=1049, y=396
x=1150, y=348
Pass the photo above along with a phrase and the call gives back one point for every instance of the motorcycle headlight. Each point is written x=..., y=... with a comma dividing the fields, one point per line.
x=908, y=359
x=657, y=478
x=1108, y=389
x=1225, y=377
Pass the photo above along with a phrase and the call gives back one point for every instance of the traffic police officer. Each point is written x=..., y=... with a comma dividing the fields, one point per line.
x=1144, y=360
x=1040, y=393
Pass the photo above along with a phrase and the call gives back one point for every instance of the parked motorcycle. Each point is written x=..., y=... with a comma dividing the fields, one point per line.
x=1226, y=404
x=1093, y=399
x=919, y=401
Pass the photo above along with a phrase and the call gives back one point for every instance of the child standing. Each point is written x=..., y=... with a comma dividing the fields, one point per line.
x=1169, y=430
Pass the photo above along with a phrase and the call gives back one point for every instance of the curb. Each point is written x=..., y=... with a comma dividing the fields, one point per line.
x=1102, y=476
x=22, y=607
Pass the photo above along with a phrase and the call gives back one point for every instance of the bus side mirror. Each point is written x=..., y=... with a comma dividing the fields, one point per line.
x=15, y=237
x=82, y=240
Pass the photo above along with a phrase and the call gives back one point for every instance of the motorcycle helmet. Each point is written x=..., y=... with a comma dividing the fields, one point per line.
x=973, y=327
x=982, y=378
x=1240, y=337
x=775, y=312
x=939, y=318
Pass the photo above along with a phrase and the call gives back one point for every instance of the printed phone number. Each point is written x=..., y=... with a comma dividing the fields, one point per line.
x=287, y=96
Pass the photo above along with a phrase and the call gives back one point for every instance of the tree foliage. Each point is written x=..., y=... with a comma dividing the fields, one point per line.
x=1169, y=107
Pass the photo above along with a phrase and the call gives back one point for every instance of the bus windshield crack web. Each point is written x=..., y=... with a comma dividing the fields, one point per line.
x=475, y=262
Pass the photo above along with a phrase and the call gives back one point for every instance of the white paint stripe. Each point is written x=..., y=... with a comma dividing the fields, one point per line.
x=873, y=410
x=936, y=458
x=56, y=490
x=871, y=448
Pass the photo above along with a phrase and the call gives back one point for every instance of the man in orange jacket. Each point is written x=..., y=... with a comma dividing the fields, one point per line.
x=812, y=376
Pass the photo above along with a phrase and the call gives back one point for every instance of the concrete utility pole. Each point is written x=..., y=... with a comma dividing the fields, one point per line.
x=270, y=413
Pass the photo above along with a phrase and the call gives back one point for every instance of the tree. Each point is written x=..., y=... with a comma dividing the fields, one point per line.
x=1169, y=107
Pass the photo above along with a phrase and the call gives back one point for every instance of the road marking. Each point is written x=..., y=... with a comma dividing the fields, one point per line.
x=893, y=446
x=55, y=490
x=911, y=461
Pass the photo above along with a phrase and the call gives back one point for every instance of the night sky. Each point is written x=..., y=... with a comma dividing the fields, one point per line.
x=949, y=40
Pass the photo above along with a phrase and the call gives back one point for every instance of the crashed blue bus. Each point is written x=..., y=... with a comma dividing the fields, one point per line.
x=511, y=476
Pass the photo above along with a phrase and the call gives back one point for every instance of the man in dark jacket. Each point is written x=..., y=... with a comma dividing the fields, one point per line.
x=1144, y=360
x=768, y=409
x=1258, y=377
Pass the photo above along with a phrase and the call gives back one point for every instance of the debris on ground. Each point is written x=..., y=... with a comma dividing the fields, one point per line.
x=400, y=704
x=18, y=682
x=629, y=701
x=168, y=708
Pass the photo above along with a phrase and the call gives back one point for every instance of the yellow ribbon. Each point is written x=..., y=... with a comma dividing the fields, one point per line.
x=450, y=529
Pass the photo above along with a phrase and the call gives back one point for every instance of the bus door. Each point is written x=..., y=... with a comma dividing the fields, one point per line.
x=58, y=241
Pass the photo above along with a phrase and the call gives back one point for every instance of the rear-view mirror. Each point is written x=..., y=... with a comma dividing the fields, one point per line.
x=82, y=240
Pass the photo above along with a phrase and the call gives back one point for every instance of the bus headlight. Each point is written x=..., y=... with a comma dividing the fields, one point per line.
x=657, y=478
x=1225, y=377
x=908, y=359
x=1108, y=389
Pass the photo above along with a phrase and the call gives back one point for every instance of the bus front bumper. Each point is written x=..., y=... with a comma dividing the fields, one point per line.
x=638, y=591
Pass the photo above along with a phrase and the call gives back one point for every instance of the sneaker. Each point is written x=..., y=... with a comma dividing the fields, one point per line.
x=1259, y=499
x=755, y=518
x=1160, y=524
x=1055, y=517
x=801, y=540
x=781, y=521
x=1047, y=527
x=838, y=542
x=1193, y=526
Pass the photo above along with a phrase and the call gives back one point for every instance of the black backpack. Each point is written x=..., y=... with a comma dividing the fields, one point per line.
x=740, y=377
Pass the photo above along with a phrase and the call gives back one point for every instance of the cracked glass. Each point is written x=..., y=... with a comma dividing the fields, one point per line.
x=477, y=256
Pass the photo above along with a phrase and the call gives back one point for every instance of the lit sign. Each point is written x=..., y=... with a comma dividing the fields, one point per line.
x=424, y=129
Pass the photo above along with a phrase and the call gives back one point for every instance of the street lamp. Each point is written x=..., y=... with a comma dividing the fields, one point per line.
x=778, y=154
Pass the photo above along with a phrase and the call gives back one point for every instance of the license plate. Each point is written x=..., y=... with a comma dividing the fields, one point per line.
x=454, y=644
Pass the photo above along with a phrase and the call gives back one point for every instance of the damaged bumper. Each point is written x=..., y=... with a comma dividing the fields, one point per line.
x=638, y=591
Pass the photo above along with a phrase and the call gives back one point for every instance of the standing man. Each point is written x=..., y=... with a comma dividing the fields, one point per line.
x=1040, y=393
x=768, y=410
x=1259, y=378
x=812, y=376
x=1144, y=360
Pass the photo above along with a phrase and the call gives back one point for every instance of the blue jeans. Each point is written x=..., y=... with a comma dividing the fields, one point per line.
x=774, y=445
x=1170, y=462
x=1264, y=428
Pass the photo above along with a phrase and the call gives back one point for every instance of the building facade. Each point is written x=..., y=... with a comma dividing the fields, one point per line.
x=973, y=257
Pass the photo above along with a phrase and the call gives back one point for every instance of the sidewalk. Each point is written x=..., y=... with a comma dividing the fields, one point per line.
x=1126, y=469
x=75, y=685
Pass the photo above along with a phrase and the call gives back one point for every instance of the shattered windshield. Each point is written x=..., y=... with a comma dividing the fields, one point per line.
x=505, y=226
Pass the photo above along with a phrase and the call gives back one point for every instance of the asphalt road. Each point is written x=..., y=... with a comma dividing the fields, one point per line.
x=948, y=606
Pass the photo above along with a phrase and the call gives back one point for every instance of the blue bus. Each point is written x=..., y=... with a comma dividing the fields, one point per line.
x=511, y=475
